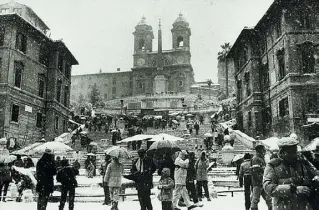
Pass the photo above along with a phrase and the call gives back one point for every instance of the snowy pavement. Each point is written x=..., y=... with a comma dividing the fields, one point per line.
x=222, y=202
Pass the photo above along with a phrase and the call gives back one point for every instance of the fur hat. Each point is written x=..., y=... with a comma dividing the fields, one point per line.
x=166, y=172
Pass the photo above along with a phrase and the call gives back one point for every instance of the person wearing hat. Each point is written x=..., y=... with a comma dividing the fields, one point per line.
x=45, y=170
x=258, y=165
x=67, y=177
x=143, y=168
x=289, y=179
x=245, y=178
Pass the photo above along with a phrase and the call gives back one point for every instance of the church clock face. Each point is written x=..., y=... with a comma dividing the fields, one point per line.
x=140, y=62
x=180, y=59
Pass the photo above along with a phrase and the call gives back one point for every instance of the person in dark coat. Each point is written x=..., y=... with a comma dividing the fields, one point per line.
x=5, y=179
x=19, y=162
x=291, y=180
x=167, y=162
x=144, y=168
x=191, y=176
x=58, y=162
x=76, y=165
x=29, y=163
x=196, y=127
x=258, y=165
x=45, y=170
x=67, y=177
x=244, y=177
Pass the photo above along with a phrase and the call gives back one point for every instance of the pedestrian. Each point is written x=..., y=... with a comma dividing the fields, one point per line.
x=45, y=170
x=245, y=178
x=19, y=162
x=90, y=169
x=58, y=162
x=105, y=163
x=191, y=177
x=196, y=127
x=201, y=167
x=290, y=179
x=144, y=168
x=113, y=178
x=67, y=177
x=258, y=165
x=180, y=174
x=5, y=179
x=29, y=163
x=166, y=185
x=76, y=164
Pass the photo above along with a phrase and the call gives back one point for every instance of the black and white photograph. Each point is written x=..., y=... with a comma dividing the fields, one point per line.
x=159, y=104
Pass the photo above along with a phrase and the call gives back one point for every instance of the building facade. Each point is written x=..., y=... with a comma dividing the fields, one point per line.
x=110, y=85
x=163, y=70
x=153, y=72
x=222, y=77
x=276, y=72
x=35, y=77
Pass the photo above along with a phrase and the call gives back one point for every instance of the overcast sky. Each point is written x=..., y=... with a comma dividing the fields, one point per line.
x=99, y=32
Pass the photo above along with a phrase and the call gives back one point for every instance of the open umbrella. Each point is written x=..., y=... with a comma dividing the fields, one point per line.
x=83, y=132
x=138, y=137
x=93, y=144
x=55, y=146
x=163, y=146
x=7, y=158
x=238, y=157
x=208, y=135
x=189, y=115
x=90, y=154
x=118, y=152
x=164, y=136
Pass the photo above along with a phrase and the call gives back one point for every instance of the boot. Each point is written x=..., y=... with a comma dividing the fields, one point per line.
x=113, y=205
x=116, y=206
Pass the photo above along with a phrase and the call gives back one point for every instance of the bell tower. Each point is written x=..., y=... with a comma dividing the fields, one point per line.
x=181, y=33
x=143, y=37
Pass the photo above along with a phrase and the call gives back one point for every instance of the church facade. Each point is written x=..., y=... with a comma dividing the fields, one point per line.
x=162, y=70
x=153, y=72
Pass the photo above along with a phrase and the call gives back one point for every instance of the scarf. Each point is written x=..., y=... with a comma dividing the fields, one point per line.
x=139, y=165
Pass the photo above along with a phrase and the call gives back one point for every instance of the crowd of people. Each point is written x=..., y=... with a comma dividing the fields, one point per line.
x=289, y=181
x=182, y=180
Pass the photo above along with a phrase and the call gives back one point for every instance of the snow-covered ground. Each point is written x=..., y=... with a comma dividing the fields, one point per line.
x=222, y=202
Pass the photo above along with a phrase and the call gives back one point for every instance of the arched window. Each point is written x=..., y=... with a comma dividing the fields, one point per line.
x=141, y=44
x=180, y=41
x=154, y=62
x=166, y=62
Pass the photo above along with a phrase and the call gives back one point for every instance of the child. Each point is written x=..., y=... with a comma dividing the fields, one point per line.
x=166, y=185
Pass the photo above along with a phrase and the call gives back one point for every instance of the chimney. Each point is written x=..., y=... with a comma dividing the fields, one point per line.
x=118, y=69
